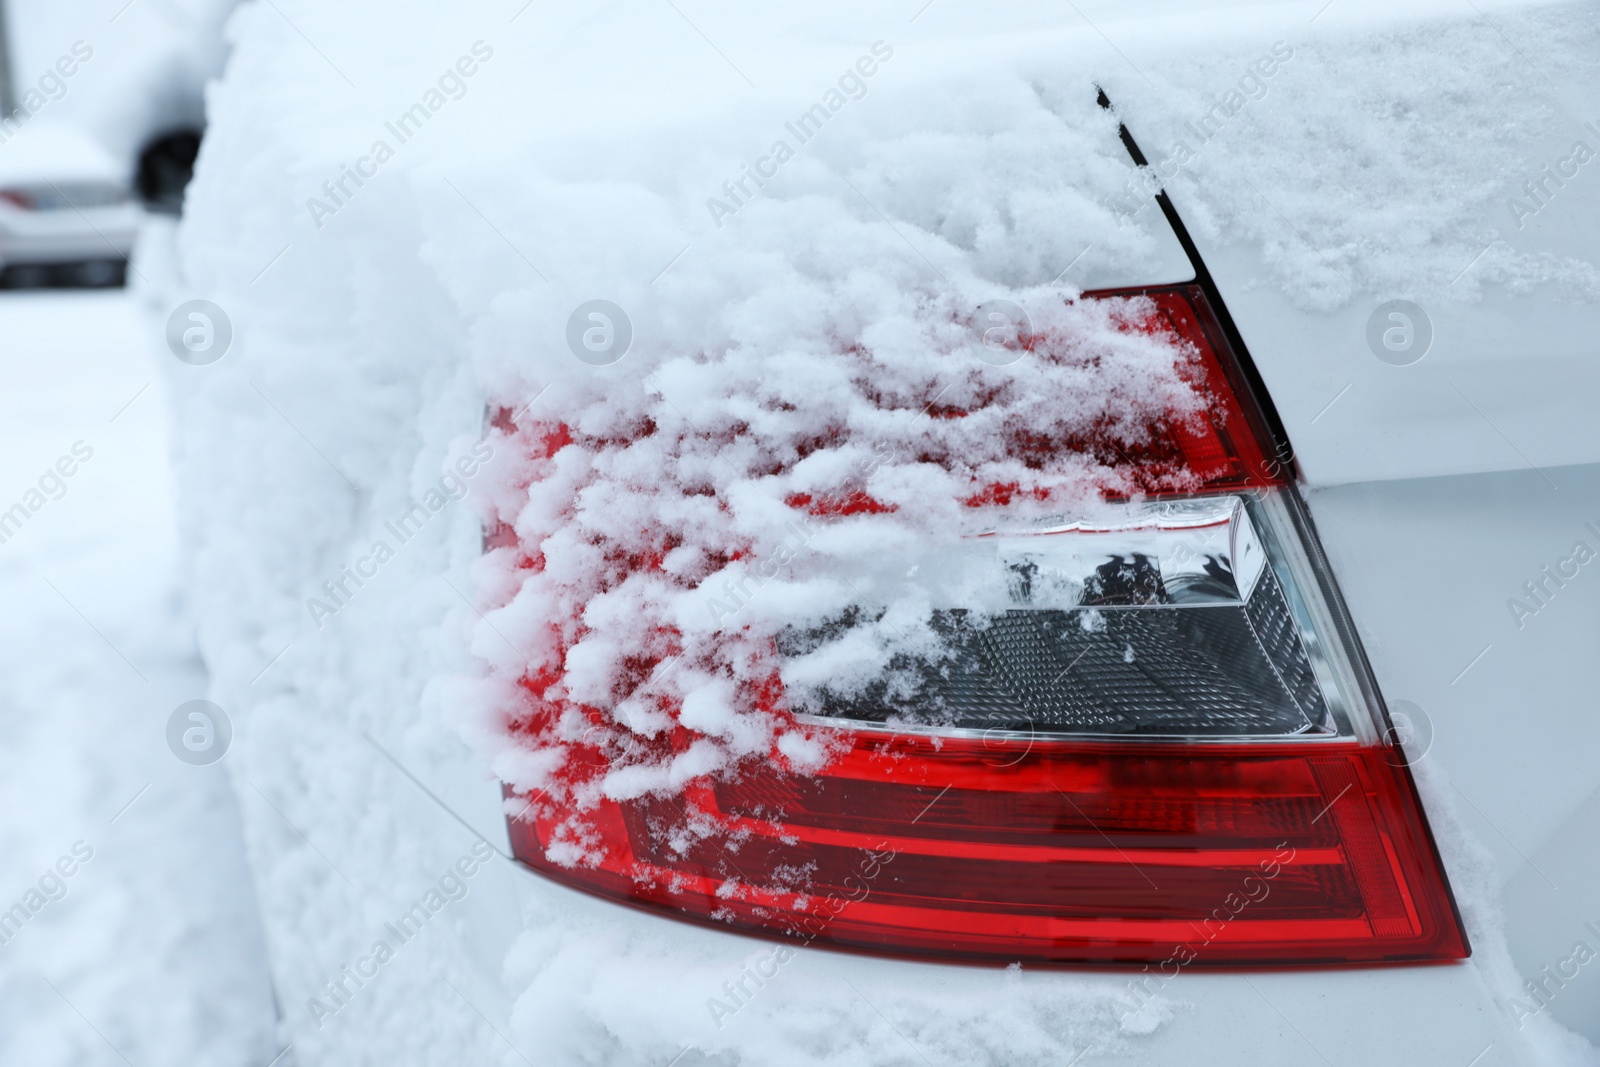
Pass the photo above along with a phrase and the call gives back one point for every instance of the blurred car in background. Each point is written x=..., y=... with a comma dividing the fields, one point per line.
x=67, y=213
x=96, y=134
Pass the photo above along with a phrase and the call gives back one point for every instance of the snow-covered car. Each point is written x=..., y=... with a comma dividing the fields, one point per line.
x=102, y=114
x=990, y=535
x=66, y=211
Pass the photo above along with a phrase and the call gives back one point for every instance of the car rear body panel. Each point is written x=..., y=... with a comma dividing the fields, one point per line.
x=1437, y=489
x=1509, y=383
x=79, y=204
x=1431, y=517
x=66, y=235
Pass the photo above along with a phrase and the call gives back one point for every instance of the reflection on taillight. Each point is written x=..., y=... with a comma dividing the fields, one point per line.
x=1152, y=737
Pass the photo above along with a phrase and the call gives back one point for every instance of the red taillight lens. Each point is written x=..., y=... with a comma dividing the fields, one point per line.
x=1048, y=851
x=1220, y=450
x=1150, y=735
x=1224, y=449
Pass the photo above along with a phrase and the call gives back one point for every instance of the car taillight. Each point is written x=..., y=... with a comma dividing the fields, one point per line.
x=1148, y=735
x=17, y=199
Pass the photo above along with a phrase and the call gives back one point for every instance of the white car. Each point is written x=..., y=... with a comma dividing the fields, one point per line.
x=67, y=213
x=103, y=120
x=956, y=571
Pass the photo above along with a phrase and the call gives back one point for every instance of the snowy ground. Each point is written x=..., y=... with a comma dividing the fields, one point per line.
x=151, y=953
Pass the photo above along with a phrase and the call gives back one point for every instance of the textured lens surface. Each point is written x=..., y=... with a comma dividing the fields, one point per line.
x=1137, y=645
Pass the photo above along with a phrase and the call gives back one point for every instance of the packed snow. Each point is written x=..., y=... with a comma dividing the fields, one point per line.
x=752, y=474
x=1388, y=167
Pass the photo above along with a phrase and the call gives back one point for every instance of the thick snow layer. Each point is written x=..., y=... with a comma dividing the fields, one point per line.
x=818, y=411
x=138, y=939
x=1390, y=167
x=399, y=208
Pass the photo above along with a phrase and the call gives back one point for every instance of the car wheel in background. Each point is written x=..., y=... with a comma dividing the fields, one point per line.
x=95, y=273
x=165, y=167
x=101, y=273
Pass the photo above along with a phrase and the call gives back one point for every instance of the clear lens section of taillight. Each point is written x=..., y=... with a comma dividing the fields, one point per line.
x=1160, y=618
x=1146, y=733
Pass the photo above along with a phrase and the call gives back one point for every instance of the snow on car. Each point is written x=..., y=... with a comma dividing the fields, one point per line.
x=686, y=449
